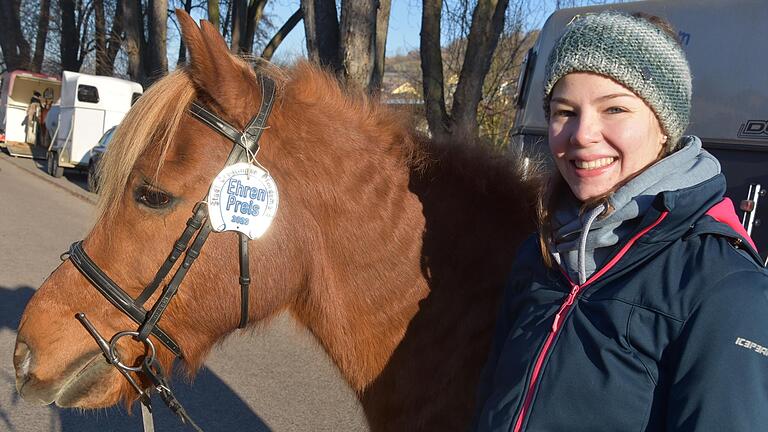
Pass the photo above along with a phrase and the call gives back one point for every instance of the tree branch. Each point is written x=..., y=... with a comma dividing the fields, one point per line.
x=269, y=50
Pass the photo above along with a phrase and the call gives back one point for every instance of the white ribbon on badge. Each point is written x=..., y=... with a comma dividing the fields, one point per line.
x=243, y=198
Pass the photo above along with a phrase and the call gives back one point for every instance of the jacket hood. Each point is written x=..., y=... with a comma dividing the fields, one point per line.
x=687, y=214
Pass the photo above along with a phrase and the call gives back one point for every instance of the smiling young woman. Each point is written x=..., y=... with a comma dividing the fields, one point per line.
x=626, y=310
x=600, y=133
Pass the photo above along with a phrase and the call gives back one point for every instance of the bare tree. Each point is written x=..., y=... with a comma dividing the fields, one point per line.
x=156, y=58
x=75, y=39
x=353, y=49
x=487, y=23
x=213, y=12
x=147, y=53
x=182, y=47
x=321, y=27
x=107, y=44
x=239, y=16
x=269, y=50
x=380, y=43
x=433, y=81
x=254, y=17
x=15, y=46
x=358, y=30
x=134, y=40
x=42, y=35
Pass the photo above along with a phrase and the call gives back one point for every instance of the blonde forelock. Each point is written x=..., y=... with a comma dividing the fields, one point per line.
x=153, y=121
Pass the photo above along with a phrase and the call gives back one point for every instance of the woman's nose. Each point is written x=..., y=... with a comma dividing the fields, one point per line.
x=586, y=130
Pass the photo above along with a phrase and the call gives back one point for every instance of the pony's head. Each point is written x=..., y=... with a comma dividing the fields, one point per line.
x=159, y=166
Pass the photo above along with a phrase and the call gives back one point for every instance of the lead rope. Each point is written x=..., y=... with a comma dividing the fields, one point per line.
x=146, y=417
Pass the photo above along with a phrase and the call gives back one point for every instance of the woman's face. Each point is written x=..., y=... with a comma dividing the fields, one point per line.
x=600, y=133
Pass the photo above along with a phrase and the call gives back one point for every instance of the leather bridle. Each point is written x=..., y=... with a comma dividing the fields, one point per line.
x=246, y=144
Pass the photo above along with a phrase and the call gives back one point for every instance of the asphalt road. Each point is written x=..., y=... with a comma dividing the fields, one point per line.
x=274, y=378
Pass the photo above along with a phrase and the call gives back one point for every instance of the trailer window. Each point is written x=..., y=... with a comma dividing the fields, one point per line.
x=86, y=93
x=135, y=97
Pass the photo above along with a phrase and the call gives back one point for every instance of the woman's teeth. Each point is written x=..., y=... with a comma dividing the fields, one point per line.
x=593, y=164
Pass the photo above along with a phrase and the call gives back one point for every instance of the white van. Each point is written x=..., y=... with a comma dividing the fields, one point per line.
x=20, y=133
x=90, y=105
x=725, y=42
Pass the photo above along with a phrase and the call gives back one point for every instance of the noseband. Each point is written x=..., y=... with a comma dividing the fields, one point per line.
x=198, y=226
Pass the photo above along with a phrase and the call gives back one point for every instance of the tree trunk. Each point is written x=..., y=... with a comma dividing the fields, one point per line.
x=225, y=25
x=269, y=50
x=239, y=16
x=69, y=36
x=101, y=37
x=487, y=25
x=42, y=35
x=134, y=39
x=321, y=27
x=182, y=47
x=15, y=47
x=115, y=39
x=358, y=29
x=213, y=13
x=157, y=60
x=255, y=12
x=84, y=11
x=432, y=70
x=380, y=44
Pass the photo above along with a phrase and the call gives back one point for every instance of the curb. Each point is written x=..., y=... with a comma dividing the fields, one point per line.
x=72, y=190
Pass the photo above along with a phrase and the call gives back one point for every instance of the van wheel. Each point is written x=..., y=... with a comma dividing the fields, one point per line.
x=53, y=165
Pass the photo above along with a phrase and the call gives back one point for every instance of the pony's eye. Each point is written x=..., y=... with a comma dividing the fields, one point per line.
x=152, y=197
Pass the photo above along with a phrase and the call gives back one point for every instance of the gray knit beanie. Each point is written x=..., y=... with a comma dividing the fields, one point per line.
x=635, y=53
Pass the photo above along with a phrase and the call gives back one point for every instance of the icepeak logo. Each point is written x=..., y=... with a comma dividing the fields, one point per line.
x=744, y=343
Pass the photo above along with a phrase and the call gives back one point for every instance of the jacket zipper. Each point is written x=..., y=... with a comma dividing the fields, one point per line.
x=560, y=316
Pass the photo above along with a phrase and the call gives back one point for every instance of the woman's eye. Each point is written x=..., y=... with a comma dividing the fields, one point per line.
x=152, y=197
x=615, y=110
x=563, y=113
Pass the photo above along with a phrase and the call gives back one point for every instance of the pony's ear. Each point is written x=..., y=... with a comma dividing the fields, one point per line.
x=213, y=69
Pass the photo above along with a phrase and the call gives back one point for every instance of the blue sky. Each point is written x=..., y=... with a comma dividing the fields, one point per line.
x=404, y=24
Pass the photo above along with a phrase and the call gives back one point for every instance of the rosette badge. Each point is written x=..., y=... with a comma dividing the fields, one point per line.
x=243, y=198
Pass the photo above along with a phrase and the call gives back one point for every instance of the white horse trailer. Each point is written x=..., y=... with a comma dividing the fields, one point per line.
x=724, y=41
x=90, y=105
x=17, y=133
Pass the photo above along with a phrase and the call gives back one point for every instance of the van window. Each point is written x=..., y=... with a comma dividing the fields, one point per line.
x=135, y=97
x=86, y=93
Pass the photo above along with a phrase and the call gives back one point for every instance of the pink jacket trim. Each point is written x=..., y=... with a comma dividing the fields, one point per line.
x=724, y=212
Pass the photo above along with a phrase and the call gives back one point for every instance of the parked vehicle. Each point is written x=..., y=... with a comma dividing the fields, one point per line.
x=94, y=158
x=25, y=98
x=90, y=105
x=722, y=39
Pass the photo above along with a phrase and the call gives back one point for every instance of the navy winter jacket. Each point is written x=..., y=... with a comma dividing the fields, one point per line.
x=670, y=335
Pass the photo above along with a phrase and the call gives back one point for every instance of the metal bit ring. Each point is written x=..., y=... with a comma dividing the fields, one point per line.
x=149, y=352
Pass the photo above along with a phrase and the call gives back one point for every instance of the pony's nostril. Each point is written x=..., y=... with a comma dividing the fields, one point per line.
x=22, y=357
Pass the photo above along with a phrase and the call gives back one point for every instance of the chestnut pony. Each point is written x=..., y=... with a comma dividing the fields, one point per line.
x=389, y=248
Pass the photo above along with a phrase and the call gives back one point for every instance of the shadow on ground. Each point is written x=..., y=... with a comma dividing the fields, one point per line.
x=209, y=401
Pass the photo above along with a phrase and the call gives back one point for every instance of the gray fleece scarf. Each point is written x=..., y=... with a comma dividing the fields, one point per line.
x=581, y=243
